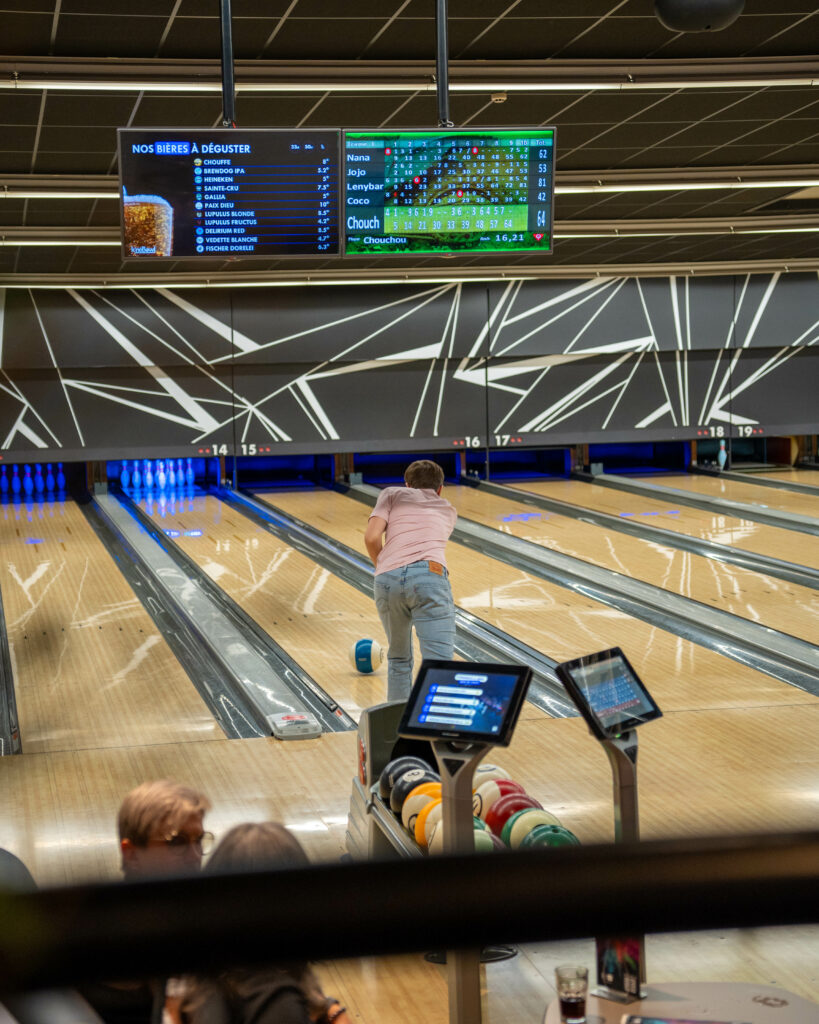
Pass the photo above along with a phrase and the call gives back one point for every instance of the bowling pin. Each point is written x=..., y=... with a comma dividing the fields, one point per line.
x=189, y=476
x=49, y=478
x=28, y=483
x=15, y=481
x=722, y=457
x=60, y=477
x=136, y=478
x=124, y=476
x=180, y=474
x=149, y=476
x=171, y=475
x=161, y=476
x=39, y=483
x=4, y=481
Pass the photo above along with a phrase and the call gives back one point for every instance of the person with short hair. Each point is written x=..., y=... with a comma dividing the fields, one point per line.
x=160, y=833
x=160, y=830
x=406, y=539
x=281, y=993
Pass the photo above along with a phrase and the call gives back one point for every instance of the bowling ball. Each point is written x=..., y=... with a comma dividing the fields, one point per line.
x=434, y=816
x=549, y=835
x=421, y=821
x=406, y=783
x=503, y=809
x=489, y=792
x=388, y=776
x=483, y=841
x=485, y=772
x=418, y=798
x=522, y=822
x=479, y=824
x=366, y=656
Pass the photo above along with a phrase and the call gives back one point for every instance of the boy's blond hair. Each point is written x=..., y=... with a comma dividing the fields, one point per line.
x=162, y=805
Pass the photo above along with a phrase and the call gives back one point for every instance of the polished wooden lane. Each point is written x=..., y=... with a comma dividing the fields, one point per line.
x=744, y=534
x=312, y=614
x=701, y=773
x=563, y=624
x=90, y=667
x=733, y=490
x=809, y=477
x=729, y=588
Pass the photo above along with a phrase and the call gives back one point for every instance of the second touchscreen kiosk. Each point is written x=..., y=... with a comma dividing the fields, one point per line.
x=464, y=709
x=612, y=699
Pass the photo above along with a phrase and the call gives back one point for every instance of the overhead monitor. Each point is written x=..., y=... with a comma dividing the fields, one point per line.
x=228, y=193
x=448, y=191
x=465, y=701
x=608, y=692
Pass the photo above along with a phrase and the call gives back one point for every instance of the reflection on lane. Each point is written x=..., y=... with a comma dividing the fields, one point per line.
x=309, y=612
x=90, y=667
x=562, y=623
x=739, y=490
x=740, y=533
x=730, y=588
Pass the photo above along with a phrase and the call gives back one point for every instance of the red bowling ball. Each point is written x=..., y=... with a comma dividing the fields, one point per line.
x=504, y=808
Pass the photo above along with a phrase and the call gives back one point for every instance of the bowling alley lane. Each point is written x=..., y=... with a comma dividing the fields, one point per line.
x=90, y=667
x=801, y=475
x=744, y=534
x=308, y=611
x=730, y=588
x=739, y=490
x=563, y=624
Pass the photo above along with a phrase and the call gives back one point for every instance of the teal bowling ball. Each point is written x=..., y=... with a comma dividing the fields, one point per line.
x=549, y=835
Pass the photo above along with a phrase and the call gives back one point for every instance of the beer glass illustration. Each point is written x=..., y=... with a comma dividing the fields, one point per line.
x=148, y=224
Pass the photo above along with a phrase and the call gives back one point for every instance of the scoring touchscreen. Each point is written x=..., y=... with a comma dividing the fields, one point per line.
x=474, y=702
x=612, y=692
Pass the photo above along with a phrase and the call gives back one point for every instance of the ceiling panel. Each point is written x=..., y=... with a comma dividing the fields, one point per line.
x=653, y=131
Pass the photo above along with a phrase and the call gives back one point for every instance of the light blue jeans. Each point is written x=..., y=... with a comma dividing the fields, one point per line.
x=414, y=595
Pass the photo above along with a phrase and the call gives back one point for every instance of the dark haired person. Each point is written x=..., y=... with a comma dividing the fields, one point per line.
x=279, y=993
x=406, y=538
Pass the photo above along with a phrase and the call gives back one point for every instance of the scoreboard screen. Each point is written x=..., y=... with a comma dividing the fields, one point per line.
x=228, y=193
x=448, y=191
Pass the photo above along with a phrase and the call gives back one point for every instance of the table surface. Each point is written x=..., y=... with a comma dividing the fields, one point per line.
x=706, y=1001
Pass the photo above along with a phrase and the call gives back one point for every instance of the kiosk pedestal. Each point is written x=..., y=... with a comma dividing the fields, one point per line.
x=614, y=702
x=457, y=763
x=464, y=709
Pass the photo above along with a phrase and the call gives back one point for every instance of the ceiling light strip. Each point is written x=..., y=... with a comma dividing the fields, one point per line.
x=289, y=279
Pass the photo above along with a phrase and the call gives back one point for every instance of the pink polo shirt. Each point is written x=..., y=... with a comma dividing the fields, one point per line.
x=419, y=523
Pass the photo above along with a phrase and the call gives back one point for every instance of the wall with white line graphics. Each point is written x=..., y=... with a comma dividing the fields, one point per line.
x=116, y=373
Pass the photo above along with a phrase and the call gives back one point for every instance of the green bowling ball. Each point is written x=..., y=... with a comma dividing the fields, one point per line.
x=484, y=842
x=549, y=835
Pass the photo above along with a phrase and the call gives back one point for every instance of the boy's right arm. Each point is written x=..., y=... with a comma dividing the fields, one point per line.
x=373, y=537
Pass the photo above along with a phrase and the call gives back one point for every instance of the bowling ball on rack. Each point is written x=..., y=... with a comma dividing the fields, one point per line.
x=366, y=656
x=484, y=841
x=416, y=802
x=391, y=772
x=421, y=820
x=485, y=772
x=503, y=809
x=549, y=835
x=433, y=818
x=522, y=822
x=406, y=783
x=489, y=792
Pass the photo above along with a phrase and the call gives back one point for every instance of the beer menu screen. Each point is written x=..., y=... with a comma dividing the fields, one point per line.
x=448, y=191
x=228, y=193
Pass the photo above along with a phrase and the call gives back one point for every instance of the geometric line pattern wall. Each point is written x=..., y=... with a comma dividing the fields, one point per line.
x=95, y=373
